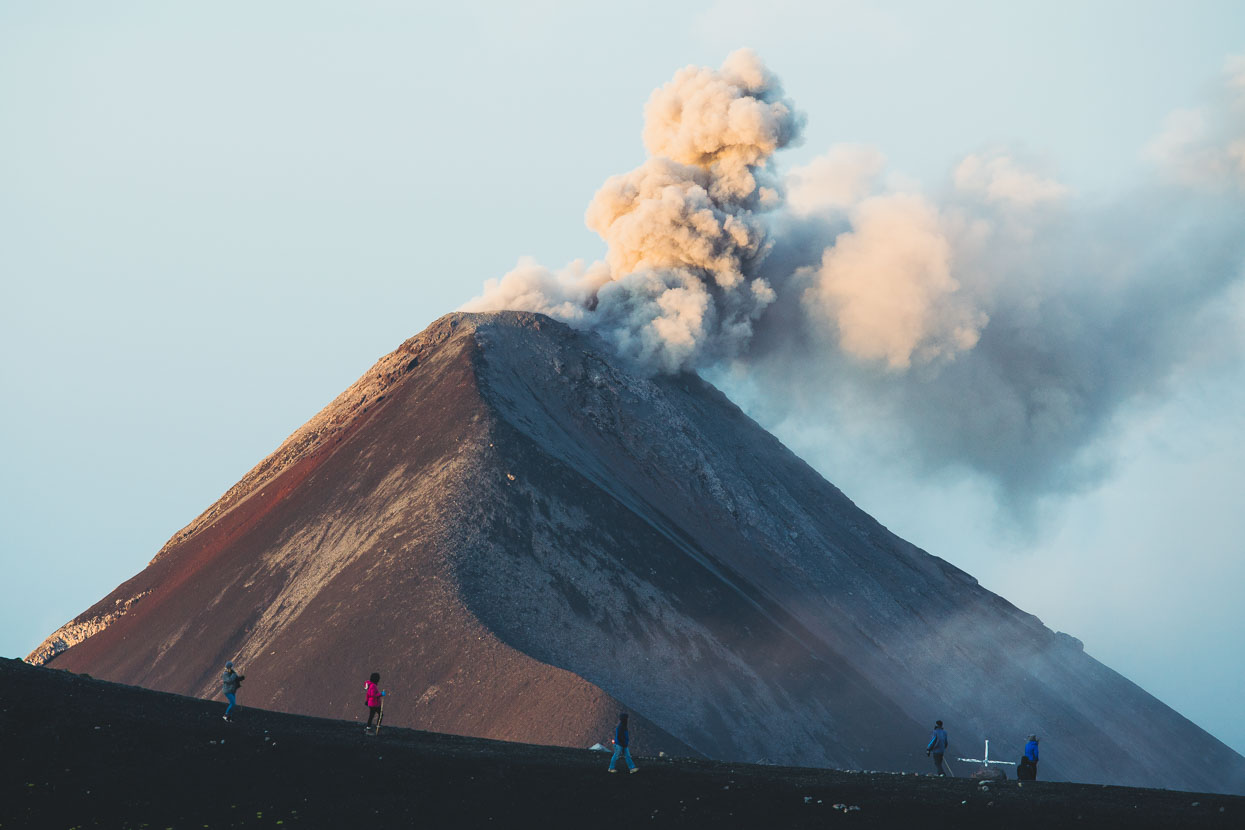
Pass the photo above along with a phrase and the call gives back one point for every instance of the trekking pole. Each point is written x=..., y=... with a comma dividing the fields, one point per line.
x=381, y=716
x=947, y=761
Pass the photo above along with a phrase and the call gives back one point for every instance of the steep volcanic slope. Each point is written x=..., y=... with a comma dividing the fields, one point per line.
x=523, y=536
x=334, y=558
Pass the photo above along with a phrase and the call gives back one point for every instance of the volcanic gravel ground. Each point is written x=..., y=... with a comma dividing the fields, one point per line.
x=79, y=752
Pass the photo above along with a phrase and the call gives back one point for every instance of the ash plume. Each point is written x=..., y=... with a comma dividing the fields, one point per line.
x=998, y=323
x=678, y=288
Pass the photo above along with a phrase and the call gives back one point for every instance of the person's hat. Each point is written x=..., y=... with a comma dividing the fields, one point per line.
x=229, y=664
x=937, y=723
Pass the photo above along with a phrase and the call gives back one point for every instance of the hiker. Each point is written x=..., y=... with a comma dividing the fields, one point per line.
x=374, y=694
x=1027, y=770
x=230, y=681
x=622, y=744
x=937, y=746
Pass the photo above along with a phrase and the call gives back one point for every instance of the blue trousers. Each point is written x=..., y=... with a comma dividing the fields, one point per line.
x=233, y=701
x=625, y=752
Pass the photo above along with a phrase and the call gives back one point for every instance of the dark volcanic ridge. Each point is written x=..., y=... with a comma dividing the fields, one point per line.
x=107, y=755
x=524, y=537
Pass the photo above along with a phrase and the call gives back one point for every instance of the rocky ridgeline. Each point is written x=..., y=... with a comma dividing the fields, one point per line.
x=74, y=632
x=329, y=424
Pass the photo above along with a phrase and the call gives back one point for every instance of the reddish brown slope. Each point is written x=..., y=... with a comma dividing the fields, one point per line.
x=333, y=559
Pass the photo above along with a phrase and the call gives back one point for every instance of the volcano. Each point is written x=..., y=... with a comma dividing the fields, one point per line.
x=525, y=537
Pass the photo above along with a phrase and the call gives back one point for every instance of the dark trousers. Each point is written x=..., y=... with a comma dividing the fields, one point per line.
x=938, y=762
x=372, y=712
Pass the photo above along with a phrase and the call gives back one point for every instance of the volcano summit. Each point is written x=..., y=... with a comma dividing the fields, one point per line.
x=524, y=537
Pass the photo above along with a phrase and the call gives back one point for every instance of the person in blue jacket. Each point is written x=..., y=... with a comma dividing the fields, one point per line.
x=622, y=744
x=937, y=746
x=1031, y=755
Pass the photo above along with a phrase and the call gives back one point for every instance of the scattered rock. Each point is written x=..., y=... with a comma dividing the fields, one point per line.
x=989, y=774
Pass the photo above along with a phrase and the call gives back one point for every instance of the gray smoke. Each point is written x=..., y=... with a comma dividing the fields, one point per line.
x=998, y=324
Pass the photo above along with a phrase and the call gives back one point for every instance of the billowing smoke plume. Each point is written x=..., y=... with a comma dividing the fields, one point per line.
x=886, y=286
x=678, y=288
x=999, y=323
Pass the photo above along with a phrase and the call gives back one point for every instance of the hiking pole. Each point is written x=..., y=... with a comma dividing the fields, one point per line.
x=947, y=761
x=381, y=716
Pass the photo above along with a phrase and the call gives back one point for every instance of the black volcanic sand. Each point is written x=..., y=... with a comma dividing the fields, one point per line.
x=79, y=752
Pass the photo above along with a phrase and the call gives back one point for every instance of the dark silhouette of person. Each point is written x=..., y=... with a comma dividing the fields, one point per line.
x=373, y=694
x=229, y=683
x=937, y=746
x=1029, y=763
x=622, y=744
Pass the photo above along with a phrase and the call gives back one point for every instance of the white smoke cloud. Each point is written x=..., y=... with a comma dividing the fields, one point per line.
x=566, y=295
x=886, y=285
x=835, y=180
x=1234, y=71
x=727, y=122
x=998, y=323
x=994, y=338
x=1000, y=179
x=684, y=231
x=1186, y=151
x=1205, y=146
x=662, y=215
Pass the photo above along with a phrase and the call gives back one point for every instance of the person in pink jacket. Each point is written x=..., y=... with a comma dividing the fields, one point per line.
x=374, y=694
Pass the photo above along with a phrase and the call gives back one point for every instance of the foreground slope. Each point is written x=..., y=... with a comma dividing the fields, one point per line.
x=523, y=537
x=109, y=755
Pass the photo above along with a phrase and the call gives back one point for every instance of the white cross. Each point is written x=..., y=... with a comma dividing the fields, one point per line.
x=985, y=759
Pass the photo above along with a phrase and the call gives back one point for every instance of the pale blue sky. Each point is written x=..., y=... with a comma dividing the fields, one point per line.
x=214, y=217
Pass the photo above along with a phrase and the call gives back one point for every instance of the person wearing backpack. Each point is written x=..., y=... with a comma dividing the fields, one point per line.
x=230, y=681
x=937, y=746
x=372, y=694
x=622, y=744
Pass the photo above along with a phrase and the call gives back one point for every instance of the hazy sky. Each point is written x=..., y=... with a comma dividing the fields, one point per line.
x=214, y=218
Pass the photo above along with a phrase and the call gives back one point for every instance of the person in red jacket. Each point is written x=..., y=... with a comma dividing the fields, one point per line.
x=374, y=694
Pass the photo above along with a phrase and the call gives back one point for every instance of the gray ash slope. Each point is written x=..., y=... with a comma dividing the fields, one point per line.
x=532, y=536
